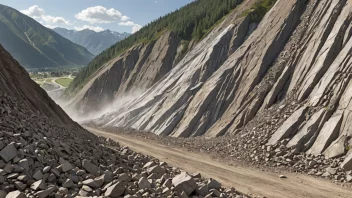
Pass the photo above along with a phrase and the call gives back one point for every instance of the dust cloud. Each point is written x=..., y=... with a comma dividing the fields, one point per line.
x=85, y=117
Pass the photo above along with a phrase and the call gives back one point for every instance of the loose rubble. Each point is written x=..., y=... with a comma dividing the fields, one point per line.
x=40, y=158
x=248, y=147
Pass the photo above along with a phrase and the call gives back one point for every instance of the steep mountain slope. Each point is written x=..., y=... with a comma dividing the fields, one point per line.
x=130, y=73
x=94, y=42
x=189, y=24
x=36, y=46
x=15, y=82
x=43, y=153
x=285, y=89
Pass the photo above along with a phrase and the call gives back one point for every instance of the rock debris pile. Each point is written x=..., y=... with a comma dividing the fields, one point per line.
x=41, y=158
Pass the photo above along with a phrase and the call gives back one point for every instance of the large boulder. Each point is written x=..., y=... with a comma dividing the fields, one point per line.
x=90, y=167
x=16, y=194
x=115, y=190
x=184, y=182
x=9, y=152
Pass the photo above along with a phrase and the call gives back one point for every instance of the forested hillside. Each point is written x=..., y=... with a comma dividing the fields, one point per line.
x=190, y=22
x=35, y=46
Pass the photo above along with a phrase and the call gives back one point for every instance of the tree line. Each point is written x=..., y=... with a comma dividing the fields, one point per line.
x=190, y=22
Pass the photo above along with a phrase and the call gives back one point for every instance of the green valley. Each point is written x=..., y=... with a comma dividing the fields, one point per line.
x=35, y=46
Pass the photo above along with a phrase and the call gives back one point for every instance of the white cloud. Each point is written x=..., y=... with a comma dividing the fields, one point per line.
x=100, y=14
x=34, y=11
x=94, y=28
x=135, y=27
x=49, y=21
x=125, y=18
x=126, y=23
x=54, y=20
x=51, y=26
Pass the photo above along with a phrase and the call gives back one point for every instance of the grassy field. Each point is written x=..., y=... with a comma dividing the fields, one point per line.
x=65, y=82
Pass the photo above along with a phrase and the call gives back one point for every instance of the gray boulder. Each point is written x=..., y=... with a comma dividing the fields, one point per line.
x=184, y=182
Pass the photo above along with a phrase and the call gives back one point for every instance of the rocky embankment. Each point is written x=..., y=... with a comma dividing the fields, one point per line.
x=43, y=153
x=40, y=158
x=15, y=82
x=244, y=151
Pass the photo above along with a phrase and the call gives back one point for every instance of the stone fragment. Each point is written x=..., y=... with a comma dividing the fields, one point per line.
x=65, y=165
x=24, y=163
x=9, y=152
x=38, y=175
x=184, y=182
x=213, y=184
x=90, y=167
x=45, y=193
x=91, y=183
x=149, y=164
x=143, y=183
x=156, y=169
x=202, y=190
x=20, y=186
x=39, y=185
x=15, y=194
x=46, y=169
x=331, y=171
x=349, y=178
x=124, y=177
x=115, y=190
x=68, y=183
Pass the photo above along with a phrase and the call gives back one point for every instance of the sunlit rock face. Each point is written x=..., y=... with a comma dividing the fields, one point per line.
x=289, y=79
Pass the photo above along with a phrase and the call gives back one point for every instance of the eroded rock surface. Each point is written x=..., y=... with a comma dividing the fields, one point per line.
x=298, y=57
x=48, y=155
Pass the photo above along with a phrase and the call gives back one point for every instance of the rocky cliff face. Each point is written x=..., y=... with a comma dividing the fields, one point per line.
x=289, y=79
x=211, y=90
x=143, y=65
x=134, y=71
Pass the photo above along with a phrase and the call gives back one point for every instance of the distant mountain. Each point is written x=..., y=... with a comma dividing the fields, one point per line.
x=95, y=42
x=35, y=46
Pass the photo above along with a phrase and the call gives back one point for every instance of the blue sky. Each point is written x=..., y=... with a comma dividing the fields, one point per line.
x=117, y=15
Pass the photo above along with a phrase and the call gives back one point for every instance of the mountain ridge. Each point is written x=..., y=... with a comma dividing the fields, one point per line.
x=95, y=42
x=36, y=46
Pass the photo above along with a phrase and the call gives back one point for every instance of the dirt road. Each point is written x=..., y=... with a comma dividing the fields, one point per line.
x=245, y=180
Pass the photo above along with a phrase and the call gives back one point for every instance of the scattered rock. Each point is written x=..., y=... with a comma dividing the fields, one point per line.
x=15, y=194
x=143, y=183
x=9, y=152
x=115, y=190
x=184, y=182
x=90, y=167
